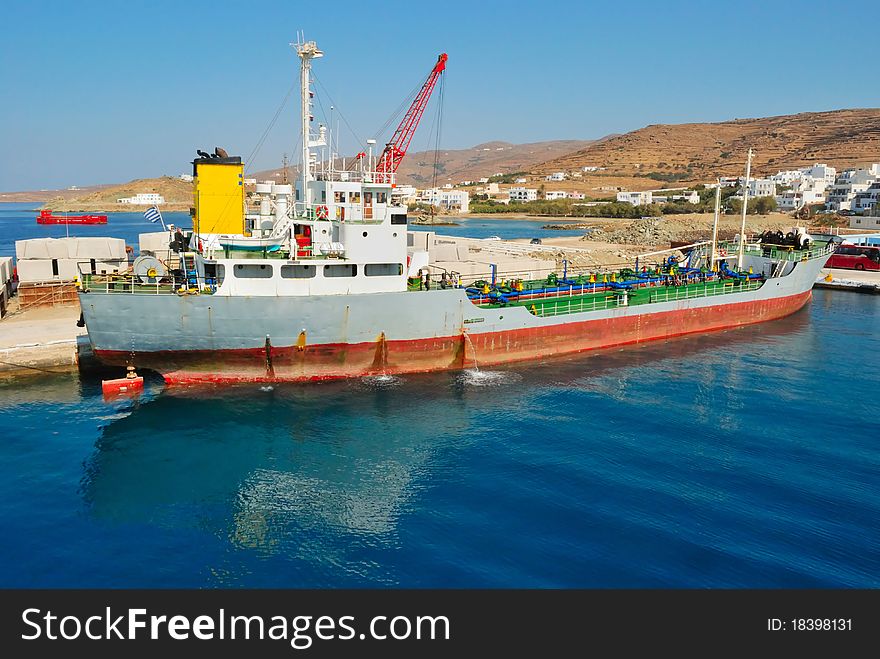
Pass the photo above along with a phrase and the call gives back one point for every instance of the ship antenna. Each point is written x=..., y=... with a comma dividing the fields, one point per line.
x=742, y=232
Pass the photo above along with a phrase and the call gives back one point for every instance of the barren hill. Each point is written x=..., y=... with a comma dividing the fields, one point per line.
x=482, y=160
x=700, y=152
x=177, y=193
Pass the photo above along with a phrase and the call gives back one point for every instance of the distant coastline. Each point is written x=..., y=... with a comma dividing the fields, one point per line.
x=75, y=206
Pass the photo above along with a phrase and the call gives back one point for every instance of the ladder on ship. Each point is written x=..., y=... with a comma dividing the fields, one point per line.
x=190, y=276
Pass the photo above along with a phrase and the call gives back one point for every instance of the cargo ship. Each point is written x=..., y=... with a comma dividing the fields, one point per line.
x=47, y=217
x=315, y=280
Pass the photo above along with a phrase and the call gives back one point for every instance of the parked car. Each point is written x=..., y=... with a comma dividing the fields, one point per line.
x=535, y=241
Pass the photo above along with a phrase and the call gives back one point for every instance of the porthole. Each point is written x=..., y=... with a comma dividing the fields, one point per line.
x=365, y=234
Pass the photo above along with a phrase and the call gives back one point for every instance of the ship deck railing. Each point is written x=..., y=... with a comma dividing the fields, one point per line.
x=131, y=284
x=780, y=252
x=557, y=306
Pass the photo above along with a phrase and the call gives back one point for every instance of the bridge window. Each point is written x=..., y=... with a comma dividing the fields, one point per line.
x=253, y=271
x=348, y=270
x=381, y=197
x=339, y=197
x=355, y=197
x=398, y=218
x=383, y=269
x=297, y=271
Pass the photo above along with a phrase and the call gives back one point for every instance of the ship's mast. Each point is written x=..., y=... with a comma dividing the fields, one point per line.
x=715, y=224
x=742, y=231
x=307, y=51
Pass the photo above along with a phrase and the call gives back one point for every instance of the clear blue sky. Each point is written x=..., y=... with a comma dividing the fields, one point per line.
x=106, y=92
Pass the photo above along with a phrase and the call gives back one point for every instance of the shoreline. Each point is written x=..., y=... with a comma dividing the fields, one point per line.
x=175, y=207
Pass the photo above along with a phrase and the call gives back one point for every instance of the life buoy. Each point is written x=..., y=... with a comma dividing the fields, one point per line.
x=722, y=252
x=322, y=212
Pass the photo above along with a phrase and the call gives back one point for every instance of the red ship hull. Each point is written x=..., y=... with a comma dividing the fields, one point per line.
x=333, y=361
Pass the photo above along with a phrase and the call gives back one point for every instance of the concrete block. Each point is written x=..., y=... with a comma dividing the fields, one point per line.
x=67, y=269
x=155, y=243
x=5, y=269
x=97, y=248
x=110, y=266
x=33, y=248
x=444, y=253
x=34, y=270
x=59, y=248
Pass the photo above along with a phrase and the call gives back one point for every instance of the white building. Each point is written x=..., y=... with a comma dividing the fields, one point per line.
x=591, y=168
x=866, y=202
x=787, y=177
x=821, y=172
x=576, y=195
x=864, y=222
x=523, y=194
x=143, y=199
x=556, y=176
x=556, y=194
x=692, y=197
x=406, y=193
x=521, y=180
x=848, y=184
x=762, y=187
x=186, y=177
x=804, y=191
x=451, y=200
x=636, y=198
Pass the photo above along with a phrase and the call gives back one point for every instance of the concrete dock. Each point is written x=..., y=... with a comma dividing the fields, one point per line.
x=860, y=281
x=39, y=340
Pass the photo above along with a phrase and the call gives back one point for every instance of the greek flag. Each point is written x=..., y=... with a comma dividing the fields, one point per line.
x=153, y=215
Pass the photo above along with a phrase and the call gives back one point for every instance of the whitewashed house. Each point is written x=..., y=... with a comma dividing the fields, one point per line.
x=866, y=202
x=636, y=198
x=848, y=184
x=787, y=177
x=451, y=200
x=821, y=172
x=762, y=187
x=143, y=199
x=523, y=194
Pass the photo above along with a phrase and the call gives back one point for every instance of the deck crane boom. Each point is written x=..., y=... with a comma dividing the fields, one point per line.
x=395, y=150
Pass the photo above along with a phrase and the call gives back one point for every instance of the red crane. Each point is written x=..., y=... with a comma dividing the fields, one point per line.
x=395, y=150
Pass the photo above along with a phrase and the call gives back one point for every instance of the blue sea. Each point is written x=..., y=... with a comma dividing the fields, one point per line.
x=744, y=458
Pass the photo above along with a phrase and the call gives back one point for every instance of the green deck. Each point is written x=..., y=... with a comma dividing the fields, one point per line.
x=563, y=303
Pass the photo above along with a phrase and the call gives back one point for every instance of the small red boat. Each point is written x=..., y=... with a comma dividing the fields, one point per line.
x=46, y=217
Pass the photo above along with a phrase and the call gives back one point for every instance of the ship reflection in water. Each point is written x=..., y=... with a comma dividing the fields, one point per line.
x=289, y=462
x=322, y=474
